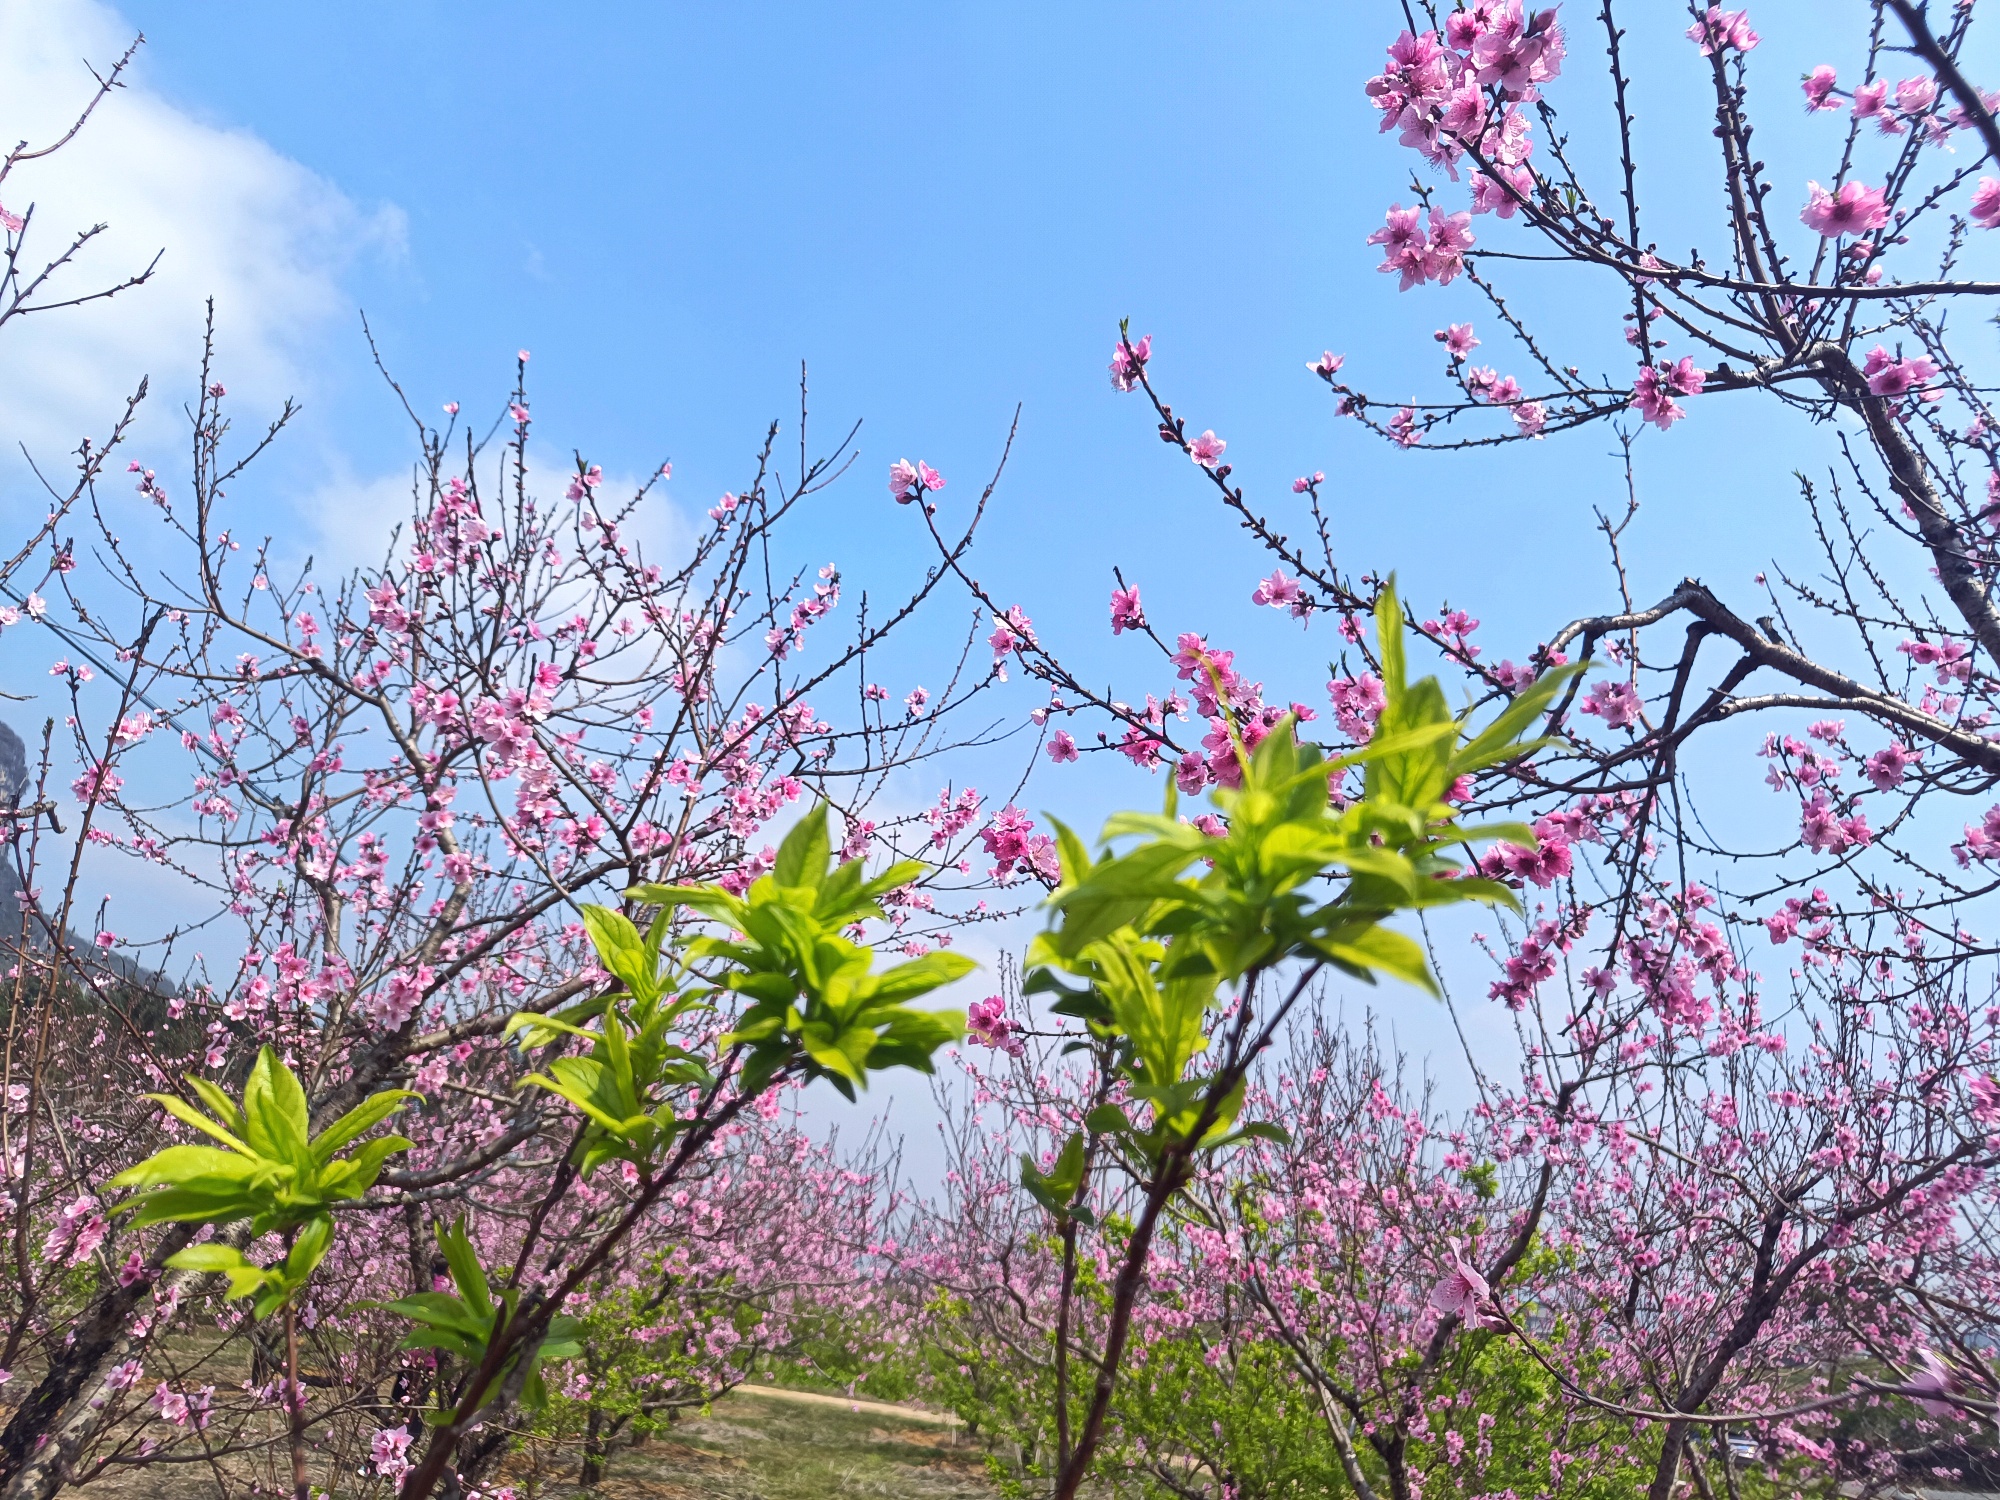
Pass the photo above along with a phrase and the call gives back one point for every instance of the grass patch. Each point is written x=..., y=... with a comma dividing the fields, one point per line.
x=764, y=1448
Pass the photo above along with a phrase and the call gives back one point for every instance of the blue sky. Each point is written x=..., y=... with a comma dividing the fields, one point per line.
x=944, y=208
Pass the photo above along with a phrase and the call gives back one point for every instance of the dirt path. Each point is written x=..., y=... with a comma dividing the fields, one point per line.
x=851, y=1403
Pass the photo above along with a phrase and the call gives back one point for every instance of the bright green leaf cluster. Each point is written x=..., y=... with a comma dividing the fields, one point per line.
x=273, y=1285
x=627, y=1084
x=1059, y=1189
x=274, y=1173
x=466, y=1324
x=816, y=1006
x=1160, y=932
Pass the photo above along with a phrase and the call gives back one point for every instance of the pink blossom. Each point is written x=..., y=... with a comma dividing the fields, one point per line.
x=1004, y=641
x=1684, y=377
x=1458, y=340
x=1402, y=242
x=1516, y=52
x=1126, y=613
x=1549, y=861
x=580, y=485
x=1407, y=251
x=1915, y=95
x=391, y=1005
x=1652, y=398
x=1985, y=1094
x=1327, y=365
x=1502, y=191
x=1884, y=769
x=1851, y=208
x=1206, y=450
x=1615, y=701
x=1357, y=703
x=389, y=1451
x=1463, y=1293
x=1952, y=659
x=1824, y=831
x=987, y=1022
x=1896, y=376
x=1014, y=845
x=1451, y=237
x=1530, y=418
x=1869, y=98
x=1141, y=748
x=1306, y=481
x=78, y=1232
x=1062, y=746
x=1403, y=429
x=1191, y=773
x=1126, y=363
x=11, y=222
x=907, y=481
x=1931, y=1376
x=124, y=1377
x=1819, y=85
x=1723, y=28
x=1280, y=592
x=1986, y=203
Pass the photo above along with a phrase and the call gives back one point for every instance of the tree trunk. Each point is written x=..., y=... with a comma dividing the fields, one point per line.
x=66, y=1407
x=593, y=1450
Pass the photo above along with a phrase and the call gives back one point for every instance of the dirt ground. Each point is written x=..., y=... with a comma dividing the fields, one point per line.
x=759, y=1448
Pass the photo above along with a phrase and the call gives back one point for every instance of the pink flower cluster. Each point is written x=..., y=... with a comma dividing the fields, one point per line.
x=908, y=481
x=1616, y=702
x=1889, y=375
x=1127, y=360
x=986, y=1021
x=1723, y=30
x=948, y=819
x=1952, y=660
x=1016, y=848
x=1358, y=702
x=1126, y=613
x=1654, y=389
x=1851, y=208
x=1418, y=258
x=1432, y=91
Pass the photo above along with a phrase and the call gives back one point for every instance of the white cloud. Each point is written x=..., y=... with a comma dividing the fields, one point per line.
x=237, y=220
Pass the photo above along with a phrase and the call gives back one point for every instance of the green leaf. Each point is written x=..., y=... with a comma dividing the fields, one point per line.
x=804, y=852
x=1379, y=948
x=275, y=1116
x=219, y=1104
x=1389, y=640
x=1498, y=741
x=364, y=1117
x=314, y=1239
x=466, y=1272
x=177, y=1165
x=245, y=1277
x=919, y=976
x=620, y=949
x=1075, y=857
x=188, y=1115
x=1107, y=1119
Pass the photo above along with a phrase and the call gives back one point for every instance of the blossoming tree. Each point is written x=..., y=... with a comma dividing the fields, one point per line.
x=1753, y=1111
